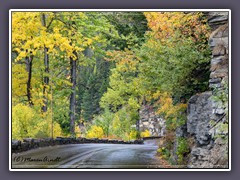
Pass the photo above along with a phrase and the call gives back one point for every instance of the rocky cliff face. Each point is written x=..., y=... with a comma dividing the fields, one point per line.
x=151, y=122
x=207, y=112
x=199, y=114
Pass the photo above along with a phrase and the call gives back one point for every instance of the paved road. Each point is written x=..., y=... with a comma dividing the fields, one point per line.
x=89, y=156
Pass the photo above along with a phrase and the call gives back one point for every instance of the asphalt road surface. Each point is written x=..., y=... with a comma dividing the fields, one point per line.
x=89, y=156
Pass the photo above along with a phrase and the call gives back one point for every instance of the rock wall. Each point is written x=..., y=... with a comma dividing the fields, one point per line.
x=30, y=143
x=199, y=115
x=207, y=116
x=150, y=121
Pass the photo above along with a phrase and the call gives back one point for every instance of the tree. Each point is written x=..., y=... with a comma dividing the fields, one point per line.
x=23, y=36
x=94, y=80
x=87, y=103
x=73, y=64
x=46, y=69
x=103, y=66
x=79, y=40
x=131, y=27
x=51, y=34
x=125, y=92
x=176, y=55
x=29, y=61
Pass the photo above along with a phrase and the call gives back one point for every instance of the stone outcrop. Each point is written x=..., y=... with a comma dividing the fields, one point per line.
x=199, y=115
x=215, y=155
x=216, y=19
x=150, y=121
x=207, y=117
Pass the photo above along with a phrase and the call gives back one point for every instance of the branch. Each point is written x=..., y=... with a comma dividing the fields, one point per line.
x=50, y=23
x=218, y=121
x=68, y=26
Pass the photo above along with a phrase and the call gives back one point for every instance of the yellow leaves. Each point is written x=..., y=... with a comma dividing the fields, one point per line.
x=47, y=42
x=73, y=56
x=77, y=131
x=116, y=122
x=145, y=133
x=22, y=119
x=82, y=15
x=168, y=24
x=29, y=34
x=156, y=95
x=57, y=130
x=57, y=36
x=89, y=41
x=21, y=55
x=96, y=38
x=28, y=44
x=126, y=60
x=25, y=25
x=133, y=134
x=19, y=81
x=56, y=30
x=79, y=49
x=28, y=122
x=65, y=46
x=36, y=45
x=95, y=132
x=166, y=105
x=18, y=50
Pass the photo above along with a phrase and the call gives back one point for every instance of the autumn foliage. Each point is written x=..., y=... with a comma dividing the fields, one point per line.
x=165, y=25
x=121, y=61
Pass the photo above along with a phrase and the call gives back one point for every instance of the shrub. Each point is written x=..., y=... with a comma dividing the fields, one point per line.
x=27, y=122
x=164, y=153
x=22, y=121
x=133, y=134
x=182, y=149
x=145, y=133
x=104, y=121
x=95, y=132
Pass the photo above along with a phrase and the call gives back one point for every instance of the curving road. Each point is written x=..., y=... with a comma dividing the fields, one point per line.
x=89, y=156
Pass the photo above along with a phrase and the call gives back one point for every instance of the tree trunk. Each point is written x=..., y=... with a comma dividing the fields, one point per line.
x=46, y=71
x=138, y=129
x=29, y=70
x=45, y=80
x=138, y=123
x=72, y=108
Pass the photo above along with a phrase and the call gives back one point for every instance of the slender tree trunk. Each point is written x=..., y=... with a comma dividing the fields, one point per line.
x=28, y=61
x=72, y=108
x=45, y=80
x=46, y=70
x=138, y=123
x=138, y=129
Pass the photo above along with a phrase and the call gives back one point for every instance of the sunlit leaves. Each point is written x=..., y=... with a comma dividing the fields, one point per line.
x=174, y=55
x=145, y=133
x=65, y=35
x=19, y=80
x=124, y=83
x=95, y=132
x=166, y=25
x=167, y=64
x=27, y=122
x=22, y=120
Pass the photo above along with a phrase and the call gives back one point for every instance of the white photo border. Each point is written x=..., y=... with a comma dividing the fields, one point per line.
x=119, y=10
